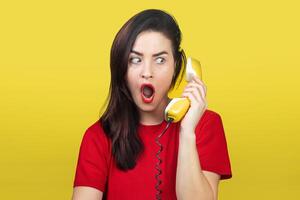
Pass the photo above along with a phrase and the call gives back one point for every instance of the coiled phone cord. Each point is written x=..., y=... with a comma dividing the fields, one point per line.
x=159, y=171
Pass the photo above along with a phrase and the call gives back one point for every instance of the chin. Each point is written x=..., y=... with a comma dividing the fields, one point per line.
x=146, y=108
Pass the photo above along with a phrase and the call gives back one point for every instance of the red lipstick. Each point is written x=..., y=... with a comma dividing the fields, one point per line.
x=147, y=92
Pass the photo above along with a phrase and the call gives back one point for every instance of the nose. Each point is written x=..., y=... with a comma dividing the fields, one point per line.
x=147, y=71
x=147, y=76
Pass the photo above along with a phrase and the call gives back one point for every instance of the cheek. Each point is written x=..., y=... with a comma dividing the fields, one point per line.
x=169, y=75
x=131, y=81
x=166, y=80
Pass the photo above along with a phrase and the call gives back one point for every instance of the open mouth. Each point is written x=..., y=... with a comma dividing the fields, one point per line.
x=147, y=92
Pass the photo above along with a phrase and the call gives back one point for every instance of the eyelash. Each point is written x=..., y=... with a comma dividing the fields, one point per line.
x=163, y=59
x=132, y=58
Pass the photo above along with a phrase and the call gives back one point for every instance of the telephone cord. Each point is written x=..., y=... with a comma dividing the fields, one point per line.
x=157, y=166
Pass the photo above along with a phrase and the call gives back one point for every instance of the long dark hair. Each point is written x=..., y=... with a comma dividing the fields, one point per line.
x=121, y=118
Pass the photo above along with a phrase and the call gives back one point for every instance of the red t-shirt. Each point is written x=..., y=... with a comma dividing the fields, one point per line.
x=96, y=167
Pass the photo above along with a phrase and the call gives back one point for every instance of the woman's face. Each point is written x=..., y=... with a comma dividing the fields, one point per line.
x=150, y=70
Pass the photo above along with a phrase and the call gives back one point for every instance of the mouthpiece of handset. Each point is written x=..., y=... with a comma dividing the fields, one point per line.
x=176, y=109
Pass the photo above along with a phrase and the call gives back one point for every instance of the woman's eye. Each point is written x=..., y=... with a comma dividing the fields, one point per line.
x=160, y=60
x=134, y=60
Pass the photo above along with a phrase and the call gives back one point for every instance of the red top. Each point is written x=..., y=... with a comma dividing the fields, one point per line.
x=96, y=167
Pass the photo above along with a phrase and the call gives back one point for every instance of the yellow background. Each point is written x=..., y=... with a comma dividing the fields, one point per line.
x=54, y=58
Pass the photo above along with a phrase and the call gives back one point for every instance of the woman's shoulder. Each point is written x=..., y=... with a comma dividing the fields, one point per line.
x=95, y=126
x=210, y=128
x=209, y=115
x=96, y=132
x=209, y=119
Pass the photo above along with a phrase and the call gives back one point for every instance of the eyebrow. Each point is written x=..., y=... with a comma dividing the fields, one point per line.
x=154, y=55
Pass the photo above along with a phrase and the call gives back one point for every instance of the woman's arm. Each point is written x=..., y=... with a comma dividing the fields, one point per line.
x=213, y=179
x=86, y=193
x=191, y=182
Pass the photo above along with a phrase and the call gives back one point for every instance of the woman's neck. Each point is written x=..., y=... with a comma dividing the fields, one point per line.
x=156, y=116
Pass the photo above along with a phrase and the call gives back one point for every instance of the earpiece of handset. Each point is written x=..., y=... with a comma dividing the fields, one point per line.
x=178, y=107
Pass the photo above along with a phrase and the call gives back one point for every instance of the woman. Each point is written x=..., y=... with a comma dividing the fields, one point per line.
x=124, y=154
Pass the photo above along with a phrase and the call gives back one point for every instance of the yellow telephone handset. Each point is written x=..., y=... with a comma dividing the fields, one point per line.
x=178, y=106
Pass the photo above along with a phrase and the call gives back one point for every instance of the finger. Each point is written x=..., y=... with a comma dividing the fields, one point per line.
x=195, y=92
x=200, y=88
x=199, y=81
x=192, y=99
x=190, y=96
